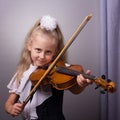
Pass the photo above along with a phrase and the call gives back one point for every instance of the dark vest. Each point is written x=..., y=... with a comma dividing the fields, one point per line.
x=51, y=108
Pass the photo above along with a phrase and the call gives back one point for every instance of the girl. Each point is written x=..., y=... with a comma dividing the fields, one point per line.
x=43, y=43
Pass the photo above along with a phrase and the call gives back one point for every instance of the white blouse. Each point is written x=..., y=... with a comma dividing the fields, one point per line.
x=23, y=90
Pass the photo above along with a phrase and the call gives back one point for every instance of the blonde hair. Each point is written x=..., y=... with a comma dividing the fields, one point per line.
x=25, y=59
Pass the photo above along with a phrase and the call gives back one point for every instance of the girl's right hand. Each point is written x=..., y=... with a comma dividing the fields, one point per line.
x=16, y=109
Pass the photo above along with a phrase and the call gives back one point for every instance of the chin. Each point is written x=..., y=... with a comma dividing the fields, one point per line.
x=40, y=64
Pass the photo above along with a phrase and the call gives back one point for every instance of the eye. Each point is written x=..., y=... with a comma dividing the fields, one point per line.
x=38, y=50
x=48, y=52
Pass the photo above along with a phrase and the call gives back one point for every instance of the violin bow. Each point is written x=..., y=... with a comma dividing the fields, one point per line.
x=52, y=65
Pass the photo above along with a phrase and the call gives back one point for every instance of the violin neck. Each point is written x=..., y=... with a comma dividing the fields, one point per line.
x=71, y=72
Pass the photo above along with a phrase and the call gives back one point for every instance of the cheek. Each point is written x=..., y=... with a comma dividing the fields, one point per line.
x=55, y=51
x=49, y=58
x=33, y=55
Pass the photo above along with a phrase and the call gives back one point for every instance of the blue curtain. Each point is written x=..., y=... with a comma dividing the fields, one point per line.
x=110, y=56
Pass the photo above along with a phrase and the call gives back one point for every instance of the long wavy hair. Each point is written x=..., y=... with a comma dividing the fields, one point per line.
x=25, y=59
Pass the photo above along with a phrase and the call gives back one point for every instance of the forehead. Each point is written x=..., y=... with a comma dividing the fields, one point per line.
x=43, y=33
x=44, y=40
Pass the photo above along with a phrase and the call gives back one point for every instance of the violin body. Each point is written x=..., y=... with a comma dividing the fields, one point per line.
x=58, y=80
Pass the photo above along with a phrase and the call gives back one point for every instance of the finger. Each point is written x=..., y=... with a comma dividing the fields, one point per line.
x=14, y=113
x=80, y=77
x=89, y=81
x=82, y=82
x=17, y=108
x=88, y=72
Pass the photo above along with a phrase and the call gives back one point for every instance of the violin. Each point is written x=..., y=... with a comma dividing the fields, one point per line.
x=62, y=77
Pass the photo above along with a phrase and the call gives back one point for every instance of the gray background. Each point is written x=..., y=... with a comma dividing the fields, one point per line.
x=17, y=17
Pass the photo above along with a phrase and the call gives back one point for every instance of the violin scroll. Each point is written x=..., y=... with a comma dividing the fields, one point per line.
x=107, y=85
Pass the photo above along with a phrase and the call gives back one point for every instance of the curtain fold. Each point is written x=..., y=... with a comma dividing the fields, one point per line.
x=110, y=56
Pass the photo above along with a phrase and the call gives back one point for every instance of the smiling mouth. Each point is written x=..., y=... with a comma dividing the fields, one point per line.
x=41, y=62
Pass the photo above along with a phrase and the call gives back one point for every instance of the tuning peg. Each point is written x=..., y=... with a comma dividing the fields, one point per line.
x=103, y=77
x=102, y=92
x=97, y=87
x=108, y=80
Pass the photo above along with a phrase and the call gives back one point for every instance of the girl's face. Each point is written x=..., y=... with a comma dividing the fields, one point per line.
x=42, y=49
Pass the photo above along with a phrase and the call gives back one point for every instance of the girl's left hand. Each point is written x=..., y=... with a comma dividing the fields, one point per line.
x=82, y=82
